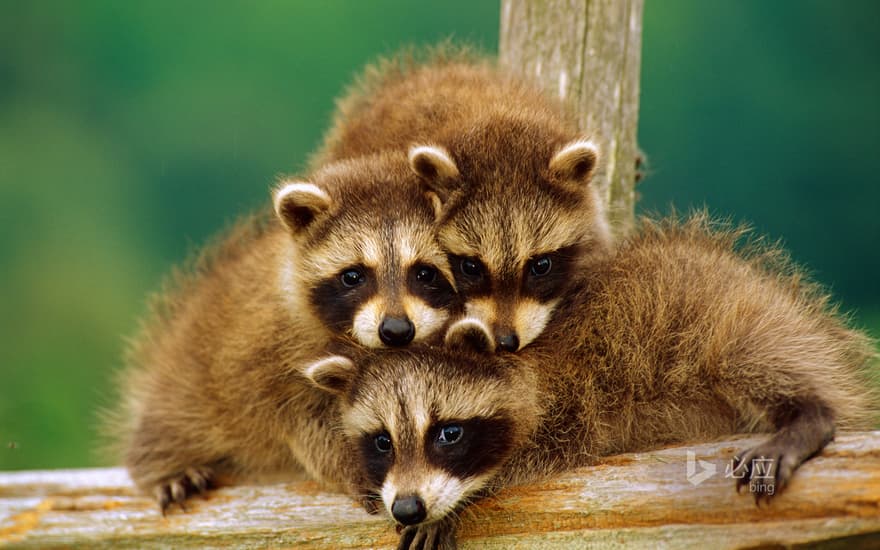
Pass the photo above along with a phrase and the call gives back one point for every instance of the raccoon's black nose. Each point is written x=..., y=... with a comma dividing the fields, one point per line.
x=409, y=510
x=396, y=332
x=508, y=341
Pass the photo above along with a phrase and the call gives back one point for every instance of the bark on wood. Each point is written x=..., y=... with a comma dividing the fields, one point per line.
x=588, y=52
x=639, y=500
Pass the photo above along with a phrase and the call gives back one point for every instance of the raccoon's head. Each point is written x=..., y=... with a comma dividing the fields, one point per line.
x=433, y=426
x=362, y=255
x=519, y=227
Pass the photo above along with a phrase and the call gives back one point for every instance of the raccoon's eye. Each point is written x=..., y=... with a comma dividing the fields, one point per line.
x=541, y=266
x=383, y=443
x=426, y=274
x=352, y=277
x=471, y=267
x=450, y=434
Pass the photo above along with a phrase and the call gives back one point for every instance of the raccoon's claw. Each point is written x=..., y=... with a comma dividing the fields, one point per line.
x=176, y=490
x=439, y=535
x=765, y=470
x=640, y=166
x=371, y=503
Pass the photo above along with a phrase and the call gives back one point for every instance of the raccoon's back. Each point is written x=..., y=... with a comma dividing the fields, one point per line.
x=213, y=315
x=431, y=97
x=689, y=332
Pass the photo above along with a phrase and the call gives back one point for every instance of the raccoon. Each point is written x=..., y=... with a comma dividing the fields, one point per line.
x=507, y=170
x=215, y=381
x=676, y=338
x=374, y=269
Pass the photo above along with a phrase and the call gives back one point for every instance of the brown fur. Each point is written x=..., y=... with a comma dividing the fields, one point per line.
x=510, y=203
x=676, y=338
x=215, y=380
x=439, y=95
x=685, y=339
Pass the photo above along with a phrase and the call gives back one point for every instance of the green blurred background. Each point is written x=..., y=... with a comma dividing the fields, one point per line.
x=131, y=131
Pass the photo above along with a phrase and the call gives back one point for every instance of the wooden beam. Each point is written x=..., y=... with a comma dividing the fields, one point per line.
x=587, y=52
x=637, y=500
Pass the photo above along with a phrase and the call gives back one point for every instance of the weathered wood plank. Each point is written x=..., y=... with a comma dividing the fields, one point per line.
x=630, y=500
x=587, y=52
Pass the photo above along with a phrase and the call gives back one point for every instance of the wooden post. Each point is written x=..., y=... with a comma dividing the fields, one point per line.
x=643, y=500
x=588, y=52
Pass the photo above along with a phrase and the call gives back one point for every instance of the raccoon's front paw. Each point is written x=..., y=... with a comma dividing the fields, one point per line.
x=176, y=489
x=439, y=535
x=765, y=469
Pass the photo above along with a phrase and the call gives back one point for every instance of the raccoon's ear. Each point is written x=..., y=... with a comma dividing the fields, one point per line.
x=470, y=334
x=575, y=162
x=434, y=165
x=298, y=203
x=333, y=374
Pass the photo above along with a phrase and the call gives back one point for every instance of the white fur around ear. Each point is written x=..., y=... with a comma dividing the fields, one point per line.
x=575, y=162
x=470, y=334
x=298, y=203
x=332, y=374
x=432, y=163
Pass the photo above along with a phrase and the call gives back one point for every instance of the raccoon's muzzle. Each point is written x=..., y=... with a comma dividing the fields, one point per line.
x=409, y=510
x=395, y=331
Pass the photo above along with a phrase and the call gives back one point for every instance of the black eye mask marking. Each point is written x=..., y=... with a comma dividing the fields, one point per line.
x=429, y=284
x=336, y=299
x=376, y=461
x=471, y=275
x=466, y=448
x=546, y=276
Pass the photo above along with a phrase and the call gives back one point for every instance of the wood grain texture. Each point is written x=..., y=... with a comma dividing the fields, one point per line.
x=587, y=52
x=634, y=500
